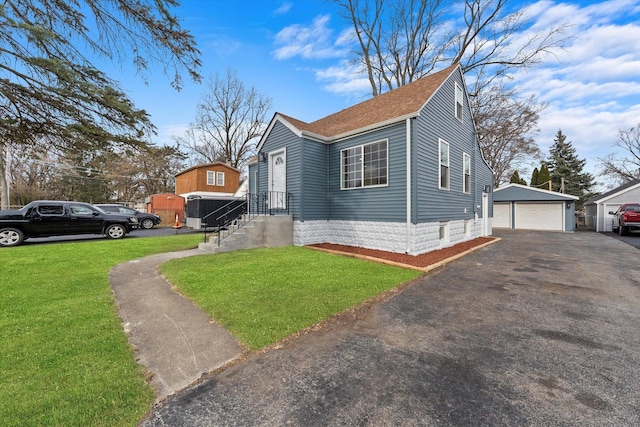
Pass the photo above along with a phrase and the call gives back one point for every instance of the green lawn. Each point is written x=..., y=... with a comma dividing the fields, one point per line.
x=64, y=358
x=264, y=295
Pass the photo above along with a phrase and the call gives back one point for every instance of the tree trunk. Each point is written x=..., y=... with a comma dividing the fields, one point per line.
x=4, y=183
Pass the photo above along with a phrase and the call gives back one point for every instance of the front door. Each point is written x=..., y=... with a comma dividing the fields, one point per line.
x=278, y=180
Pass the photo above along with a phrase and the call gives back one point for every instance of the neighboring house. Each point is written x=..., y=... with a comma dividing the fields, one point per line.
x=527, y=208
x=401, y=172
x=597, y=210
x=208, y=180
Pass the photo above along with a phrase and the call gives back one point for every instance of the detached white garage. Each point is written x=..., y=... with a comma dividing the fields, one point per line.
x=597, y=210
x=526, y=208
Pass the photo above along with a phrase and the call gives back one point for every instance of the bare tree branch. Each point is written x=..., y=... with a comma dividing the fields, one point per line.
x=625, y=167
x=229, y=121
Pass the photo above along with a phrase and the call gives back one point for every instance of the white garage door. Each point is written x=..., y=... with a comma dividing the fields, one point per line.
x=540, y=216
x=502, y=215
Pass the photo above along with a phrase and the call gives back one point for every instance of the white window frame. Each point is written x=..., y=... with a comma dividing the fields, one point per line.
x=360, y=166
x=211, y=178
x=459, y=102
x=442, y=143
x=466, y=173
x=443, y=232
x=220, y=179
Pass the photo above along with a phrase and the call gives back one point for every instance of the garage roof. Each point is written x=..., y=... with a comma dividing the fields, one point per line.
x=518, y=192
x=616, y=191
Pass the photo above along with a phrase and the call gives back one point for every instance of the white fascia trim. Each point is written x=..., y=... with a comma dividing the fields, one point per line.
x=540, y=190
x=633, y=187
x=276, y=118
x=366, y=129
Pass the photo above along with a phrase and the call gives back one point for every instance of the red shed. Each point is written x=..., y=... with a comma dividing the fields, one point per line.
x=166, y=206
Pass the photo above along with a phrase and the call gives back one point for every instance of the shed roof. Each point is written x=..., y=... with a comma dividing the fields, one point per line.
x=208, y=165
x=518, y=192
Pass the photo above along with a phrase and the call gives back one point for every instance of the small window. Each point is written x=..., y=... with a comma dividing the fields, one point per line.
x=444, y=165
x=466, y=179
x=220, y=179
x=459, y=98
x=211, y=178
x=444, y=232
x=364, y=165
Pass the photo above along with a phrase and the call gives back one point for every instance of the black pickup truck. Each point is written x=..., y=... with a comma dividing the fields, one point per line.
x=45, y=218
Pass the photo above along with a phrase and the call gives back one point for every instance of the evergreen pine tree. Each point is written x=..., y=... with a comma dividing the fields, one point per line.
x=544, y=177
x=534, y=178
x=566, y=171
x=515, y=179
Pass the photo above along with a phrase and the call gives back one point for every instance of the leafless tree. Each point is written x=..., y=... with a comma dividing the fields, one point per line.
x=402, y=40
x=624, y=168
x=229, y=120
x=506, y=126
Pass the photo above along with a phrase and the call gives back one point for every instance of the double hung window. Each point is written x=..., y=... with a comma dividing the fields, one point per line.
x=466, y=180
x=459, y=100
x=444, y=165
x=364, y=165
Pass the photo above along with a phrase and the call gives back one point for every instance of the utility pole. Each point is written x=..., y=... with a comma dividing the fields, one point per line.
x=562, y=184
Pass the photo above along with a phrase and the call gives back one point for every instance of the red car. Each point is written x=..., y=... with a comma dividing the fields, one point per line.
x=626, y=218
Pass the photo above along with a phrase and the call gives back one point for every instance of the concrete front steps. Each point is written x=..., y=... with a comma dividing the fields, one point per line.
x=263, y=231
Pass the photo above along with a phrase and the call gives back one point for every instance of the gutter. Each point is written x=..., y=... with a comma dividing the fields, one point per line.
x=408, y=191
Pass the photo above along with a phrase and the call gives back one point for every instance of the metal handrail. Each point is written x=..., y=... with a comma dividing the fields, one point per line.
x=264, y=203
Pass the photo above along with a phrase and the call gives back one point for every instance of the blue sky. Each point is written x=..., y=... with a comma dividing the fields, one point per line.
x=297, y=53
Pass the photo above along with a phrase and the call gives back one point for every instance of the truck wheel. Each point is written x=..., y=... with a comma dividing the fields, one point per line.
x=146, y=223
x=622, y=230
x=11, y=237
x=116, y=231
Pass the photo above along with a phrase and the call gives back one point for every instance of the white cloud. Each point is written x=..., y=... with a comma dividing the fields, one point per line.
x=592, y=88
x=344, y=79
x=309, y=42
x=283, y=9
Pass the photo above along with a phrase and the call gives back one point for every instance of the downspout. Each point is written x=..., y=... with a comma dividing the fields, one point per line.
x=408, y=167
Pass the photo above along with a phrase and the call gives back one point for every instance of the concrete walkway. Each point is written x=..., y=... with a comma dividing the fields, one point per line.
x=173, y=338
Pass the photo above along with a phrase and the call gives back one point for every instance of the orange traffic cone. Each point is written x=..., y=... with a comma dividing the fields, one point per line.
x=177, y=225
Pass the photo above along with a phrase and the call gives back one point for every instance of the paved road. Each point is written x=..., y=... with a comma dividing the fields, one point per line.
x=537, y=329
x=632, y=239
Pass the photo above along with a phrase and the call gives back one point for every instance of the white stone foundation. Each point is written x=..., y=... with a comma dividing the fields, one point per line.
x=386, y=236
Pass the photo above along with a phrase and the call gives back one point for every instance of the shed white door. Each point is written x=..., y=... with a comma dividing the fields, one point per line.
x=540, y=216
x=502, y=215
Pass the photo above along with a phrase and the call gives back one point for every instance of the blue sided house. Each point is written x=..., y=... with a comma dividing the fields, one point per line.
x=400, y=172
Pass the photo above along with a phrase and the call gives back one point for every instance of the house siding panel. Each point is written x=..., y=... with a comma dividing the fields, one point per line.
x=279, y=138
x=438, y=122
x=384, y=203
x=314, y=181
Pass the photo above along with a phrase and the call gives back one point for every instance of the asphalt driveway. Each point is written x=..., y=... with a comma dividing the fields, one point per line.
x=537, y=329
